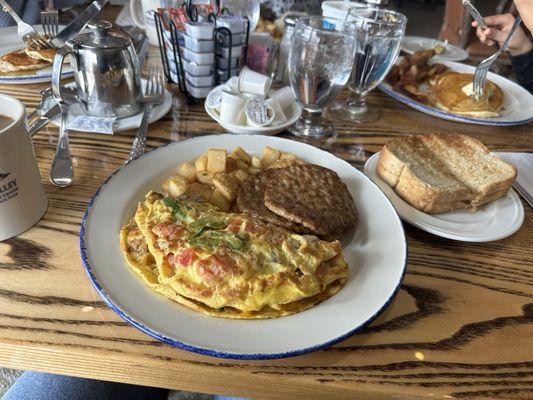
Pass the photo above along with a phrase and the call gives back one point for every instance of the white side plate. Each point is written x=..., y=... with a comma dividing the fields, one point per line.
x=376, y=254
x=295, y=112
x=493, y=221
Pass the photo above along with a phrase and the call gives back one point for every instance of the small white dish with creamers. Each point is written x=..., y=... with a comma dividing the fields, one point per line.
x=245, y=104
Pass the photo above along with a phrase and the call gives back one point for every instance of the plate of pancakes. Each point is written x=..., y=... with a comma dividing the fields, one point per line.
x=20, y=64
x=444, y=90
x=243, y=246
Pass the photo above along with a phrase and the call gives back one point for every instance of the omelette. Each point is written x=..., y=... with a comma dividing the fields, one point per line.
x=228, y=264
x=452, y=92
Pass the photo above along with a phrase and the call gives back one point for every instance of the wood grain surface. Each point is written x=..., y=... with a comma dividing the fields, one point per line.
x=460, y=327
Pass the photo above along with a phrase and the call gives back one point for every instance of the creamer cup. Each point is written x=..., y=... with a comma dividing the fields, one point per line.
x=259, y=113
x=279, y=114
x=254, y=82
x=284, y=96
x=232, y=108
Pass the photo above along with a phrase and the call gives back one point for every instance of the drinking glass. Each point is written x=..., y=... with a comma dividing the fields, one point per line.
x=379, y=35
x=320, y=61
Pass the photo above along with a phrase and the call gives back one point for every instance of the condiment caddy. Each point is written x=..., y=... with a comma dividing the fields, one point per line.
x=200, y=54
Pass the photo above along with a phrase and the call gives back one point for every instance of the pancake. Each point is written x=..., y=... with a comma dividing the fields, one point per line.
x=42, y=54
x=227, y=264
x=446, y=93
x=135, y=250
x=18, y=60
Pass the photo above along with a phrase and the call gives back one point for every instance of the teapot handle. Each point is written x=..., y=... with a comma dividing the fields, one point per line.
x=57, y=68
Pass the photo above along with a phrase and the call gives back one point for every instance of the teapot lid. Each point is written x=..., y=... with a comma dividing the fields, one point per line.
x=101, y=36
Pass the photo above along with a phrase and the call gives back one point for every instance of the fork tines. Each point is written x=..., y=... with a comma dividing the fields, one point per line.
x=50, y=20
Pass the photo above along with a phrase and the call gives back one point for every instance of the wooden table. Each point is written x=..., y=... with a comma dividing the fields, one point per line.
x=460, y=327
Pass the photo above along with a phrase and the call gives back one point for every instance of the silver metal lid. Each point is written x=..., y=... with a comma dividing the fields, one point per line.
x=101, y=36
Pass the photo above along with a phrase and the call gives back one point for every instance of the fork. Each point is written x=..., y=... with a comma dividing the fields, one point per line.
x=523, y=192
x=50, y=20
x=153, y=95
x=480, y=76
x=27, y=32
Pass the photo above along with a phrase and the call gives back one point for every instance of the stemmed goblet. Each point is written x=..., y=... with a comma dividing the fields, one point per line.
x=379, y=35
x=320, y=61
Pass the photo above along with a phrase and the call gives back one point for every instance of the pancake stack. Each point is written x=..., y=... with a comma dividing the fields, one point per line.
x=226, y=264
x=447, y=92
x=26, y=59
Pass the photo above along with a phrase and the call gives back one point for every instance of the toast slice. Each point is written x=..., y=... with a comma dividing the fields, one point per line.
x=442, y=172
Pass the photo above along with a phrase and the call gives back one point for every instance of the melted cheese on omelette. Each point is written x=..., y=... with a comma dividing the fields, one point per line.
x=225, y=260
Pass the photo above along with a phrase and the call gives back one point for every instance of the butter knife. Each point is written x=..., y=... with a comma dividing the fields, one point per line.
x=475, y=14
x=78, y=24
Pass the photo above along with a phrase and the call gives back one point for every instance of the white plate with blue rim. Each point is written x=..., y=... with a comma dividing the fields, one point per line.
x=517, y=103
x=412, y=44
x=376, y=254
x=493, y=221
x=9, y=41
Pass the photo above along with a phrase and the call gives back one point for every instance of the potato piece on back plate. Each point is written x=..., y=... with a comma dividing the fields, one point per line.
x=240, y=174
x=242, y=155
x=269, y=156
x=200, y=190
x=216, y=160
x=256, y=162
x=201, y=163
x=226, y=184
x=205, y=177
x=188, y=171
x=176, y=185
x=218, y=200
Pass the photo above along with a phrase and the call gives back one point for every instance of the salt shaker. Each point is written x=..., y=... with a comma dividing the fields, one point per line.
x=282, y=71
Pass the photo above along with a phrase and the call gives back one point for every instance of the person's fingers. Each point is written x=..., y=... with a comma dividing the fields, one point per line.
x=489, y=42
x=474, y=24
x=500, y=20
x=481, y=35
x=496, y=34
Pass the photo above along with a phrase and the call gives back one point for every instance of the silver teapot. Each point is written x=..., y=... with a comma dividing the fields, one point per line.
x=106, y=69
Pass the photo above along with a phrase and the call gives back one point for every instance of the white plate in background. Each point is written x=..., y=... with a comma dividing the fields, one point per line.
x=412, y=44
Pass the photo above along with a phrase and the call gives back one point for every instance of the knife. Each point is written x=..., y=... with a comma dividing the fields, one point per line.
x=475, y=14
x=78, y=24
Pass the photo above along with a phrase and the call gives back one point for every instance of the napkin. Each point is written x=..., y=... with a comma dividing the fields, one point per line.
x=523, y=163
x=86, y=123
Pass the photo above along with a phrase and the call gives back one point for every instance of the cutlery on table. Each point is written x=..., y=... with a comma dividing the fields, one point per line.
x=480, y=76
x=475, y=14
x=50, y=20
x=29, y=35
x=78, y=23
x=47, y=109
x=523, y=192
x=62, y=172
x=153, y=95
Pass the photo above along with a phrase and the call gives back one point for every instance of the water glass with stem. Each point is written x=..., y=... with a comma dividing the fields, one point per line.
x=379, y=35
x=320, y=61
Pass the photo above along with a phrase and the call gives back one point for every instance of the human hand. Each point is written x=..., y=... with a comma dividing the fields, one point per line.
x=498, y=28
x=525, y=8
